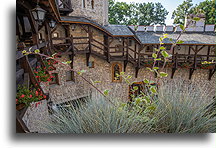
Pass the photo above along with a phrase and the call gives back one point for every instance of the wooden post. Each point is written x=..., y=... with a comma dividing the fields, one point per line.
x=107, y=47
x=127, y=54
x=208, y=52
x=135, y=47
x=90, y=47
x=138, y=62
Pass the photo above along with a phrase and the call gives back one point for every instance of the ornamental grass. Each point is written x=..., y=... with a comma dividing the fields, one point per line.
x=180, y=108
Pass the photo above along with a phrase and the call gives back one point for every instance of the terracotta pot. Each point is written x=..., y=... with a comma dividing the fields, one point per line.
x=20, y=106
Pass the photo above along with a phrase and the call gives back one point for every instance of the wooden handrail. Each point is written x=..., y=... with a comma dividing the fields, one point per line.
x=19, y=54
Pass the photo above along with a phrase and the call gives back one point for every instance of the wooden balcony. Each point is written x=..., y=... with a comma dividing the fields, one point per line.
x=64, y=6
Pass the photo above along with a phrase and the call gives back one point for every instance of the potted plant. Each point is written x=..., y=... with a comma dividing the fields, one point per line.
x=206, y=65
x=26, y=96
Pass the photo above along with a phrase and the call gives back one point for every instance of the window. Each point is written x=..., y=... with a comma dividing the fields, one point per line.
x=92, y=4
x=83, y=3
x=116, y=70
x=69, y=76
x=91, y=64
x=55, y=35
x=54, y=79
x=40, y=37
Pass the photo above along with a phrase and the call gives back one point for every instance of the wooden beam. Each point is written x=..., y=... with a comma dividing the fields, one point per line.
x=90, y=46
x=173, y=72
x=211, y=73
x=136, y=71
x=191, y=73
x=26, y=80
x=125, y=65
x=208, y=52
x=107, y=47
x=49, y=38
x=28, y=69
x=20, y=125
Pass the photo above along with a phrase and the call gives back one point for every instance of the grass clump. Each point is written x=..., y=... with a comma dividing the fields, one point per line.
x=179, y=108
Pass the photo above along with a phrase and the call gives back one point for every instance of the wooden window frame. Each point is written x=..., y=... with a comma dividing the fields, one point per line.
x=120, y=70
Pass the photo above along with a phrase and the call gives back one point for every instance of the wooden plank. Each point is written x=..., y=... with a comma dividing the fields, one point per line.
x=33, y=48
x=28, y=69
x=19, y=74
x=20, y=125
x=173, y=72
x=97, y=47
x=191, y=73
x=26, y=80
x=99, y=43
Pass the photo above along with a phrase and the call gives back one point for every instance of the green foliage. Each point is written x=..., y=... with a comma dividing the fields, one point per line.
x=179, y=108
x=181, y=11
x=182, y=108
x=81, y=72
x=163, y=74
x=37, y=51
x=206, y=7
x=27, y=96
x=106, y=92
x=97, y=116
x=136, y=13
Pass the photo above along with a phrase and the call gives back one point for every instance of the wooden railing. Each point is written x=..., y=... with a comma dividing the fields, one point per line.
x=129, y=55
x=25, y=76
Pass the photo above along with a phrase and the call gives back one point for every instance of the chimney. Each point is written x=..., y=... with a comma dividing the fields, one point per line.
x=195, y=26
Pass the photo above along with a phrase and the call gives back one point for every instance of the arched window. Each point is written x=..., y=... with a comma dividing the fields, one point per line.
x=116, y=70
x=55, y=35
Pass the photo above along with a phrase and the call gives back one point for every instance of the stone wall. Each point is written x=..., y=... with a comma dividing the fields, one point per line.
x=36, y=115
x=102, y=71
x=97, y=13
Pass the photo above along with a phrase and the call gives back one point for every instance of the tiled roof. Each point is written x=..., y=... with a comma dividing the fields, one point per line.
x=112, y=29
x=149, y=37
x=188, y=38
x=119, y=30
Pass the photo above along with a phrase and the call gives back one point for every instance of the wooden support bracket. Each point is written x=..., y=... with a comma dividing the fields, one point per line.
x=173, y=72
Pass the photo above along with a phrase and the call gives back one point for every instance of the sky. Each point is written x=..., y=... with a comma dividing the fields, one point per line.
x=170, y=6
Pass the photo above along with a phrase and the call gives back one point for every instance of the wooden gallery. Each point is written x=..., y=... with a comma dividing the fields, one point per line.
x=78, y=31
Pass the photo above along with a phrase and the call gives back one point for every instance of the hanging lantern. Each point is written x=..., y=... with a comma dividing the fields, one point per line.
x=73, y=27
x=52, y=23
x=38, y=14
